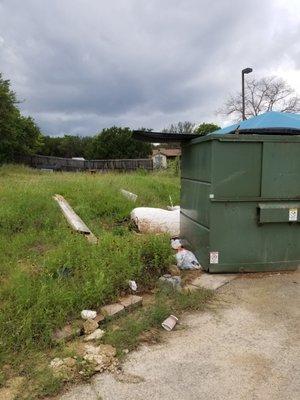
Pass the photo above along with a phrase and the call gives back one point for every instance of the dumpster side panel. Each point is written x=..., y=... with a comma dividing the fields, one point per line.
x=197, y=237
x=236, y=169
x=195, y=204
x=196, y=161
x=281, y=170
x=195, y=200
x=250, y=231
x=246, y=244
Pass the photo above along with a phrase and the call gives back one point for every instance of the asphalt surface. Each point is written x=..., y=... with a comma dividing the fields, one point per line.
x=246, y=347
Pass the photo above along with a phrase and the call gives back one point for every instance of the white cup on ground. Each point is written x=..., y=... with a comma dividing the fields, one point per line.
x=169, y=323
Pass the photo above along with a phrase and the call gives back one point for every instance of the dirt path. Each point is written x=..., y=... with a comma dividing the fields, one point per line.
x=246, y=349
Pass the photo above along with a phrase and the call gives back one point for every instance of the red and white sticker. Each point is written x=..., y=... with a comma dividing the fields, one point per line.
x=214, y=257
x=293, y=214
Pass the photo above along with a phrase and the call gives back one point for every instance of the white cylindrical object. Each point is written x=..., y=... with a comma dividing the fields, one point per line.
x=169, y=323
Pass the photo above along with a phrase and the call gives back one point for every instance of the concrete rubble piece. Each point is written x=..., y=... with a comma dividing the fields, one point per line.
x=112, y=310
x=131, y=302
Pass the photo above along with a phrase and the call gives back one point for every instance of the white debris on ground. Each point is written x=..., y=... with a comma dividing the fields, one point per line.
x=176, y=244
x=169, y=323
x=132, y=285
x=88, y=314
x=156, y=220
x=185, y=258
x=96, y=335
x=129, y=195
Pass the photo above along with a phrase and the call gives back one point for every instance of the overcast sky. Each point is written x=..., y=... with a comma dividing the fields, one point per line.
x=81, y=65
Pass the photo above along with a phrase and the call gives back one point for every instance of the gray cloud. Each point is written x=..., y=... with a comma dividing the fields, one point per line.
x=81, y=65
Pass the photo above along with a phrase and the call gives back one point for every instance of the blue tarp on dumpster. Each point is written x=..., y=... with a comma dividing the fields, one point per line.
x=270, y=121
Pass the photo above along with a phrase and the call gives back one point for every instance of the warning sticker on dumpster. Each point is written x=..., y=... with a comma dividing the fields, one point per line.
x=293, y=214
x=214, y=257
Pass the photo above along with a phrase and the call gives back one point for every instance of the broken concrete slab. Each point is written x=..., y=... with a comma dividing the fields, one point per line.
x=131, y=302
x=66, y=333
x=102, y=357
x=97, y=334
x=90, y=326
x=213, y=281
x=112, y=310
x=100, y=318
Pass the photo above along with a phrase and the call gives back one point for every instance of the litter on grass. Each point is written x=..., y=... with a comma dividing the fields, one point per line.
x=186, y=259
x=156, y=220
x=176, y=244
x=132, y=285
x=169, y=323
x=129, y=195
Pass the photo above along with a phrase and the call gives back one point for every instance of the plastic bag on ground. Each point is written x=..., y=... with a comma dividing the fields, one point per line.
x=156, y=220
x=187, y=260
x=176, y=244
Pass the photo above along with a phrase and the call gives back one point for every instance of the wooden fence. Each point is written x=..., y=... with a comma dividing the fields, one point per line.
x=69, y=164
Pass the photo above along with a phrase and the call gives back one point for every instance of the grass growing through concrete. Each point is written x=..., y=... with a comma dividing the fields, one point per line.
x=128, y=331
x=36, y=245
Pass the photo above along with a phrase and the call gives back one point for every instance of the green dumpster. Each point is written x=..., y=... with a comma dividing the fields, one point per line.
x=240, y=201
x=240, y=193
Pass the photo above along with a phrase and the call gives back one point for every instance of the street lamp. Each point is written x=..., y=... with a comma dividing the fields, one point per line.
x=244, y=71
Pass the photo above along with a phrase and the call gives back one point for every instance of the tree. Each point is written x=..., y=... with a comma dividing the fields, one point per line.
x=30, y=139
x=114, y=143
x=266, y=94
x=180, y=127
x=18, y=135
x=205, y=128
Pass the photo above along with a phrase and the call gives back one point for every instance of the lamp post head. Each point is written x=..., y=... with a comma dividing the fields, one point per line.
x=247, y=70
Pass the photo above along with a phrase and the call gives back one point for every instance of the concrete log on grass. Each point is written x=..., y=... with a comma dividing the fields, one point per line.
x=129, y=195
x=74, y=220
x=131, y=302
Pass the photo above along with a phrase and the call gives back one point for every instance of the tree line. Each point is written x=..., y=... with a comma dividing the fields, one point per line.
x=19, y=135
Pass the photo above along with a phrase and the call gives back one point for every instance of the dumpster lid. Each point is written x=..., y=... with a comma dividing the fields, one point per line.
x=272, y=123
x=163, y=137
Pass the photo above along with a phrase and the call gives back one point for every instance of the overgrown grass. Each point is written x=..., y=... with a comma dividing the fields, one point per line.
x=36, y=244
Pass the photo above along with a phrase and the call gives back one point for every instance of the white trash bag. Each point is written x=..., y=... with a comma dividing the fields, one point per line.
x=156, y=220
x=186, y=260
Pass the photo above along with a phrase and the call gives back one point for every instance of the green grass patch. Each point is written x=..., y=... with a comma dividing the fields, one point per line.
x=36, y=245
